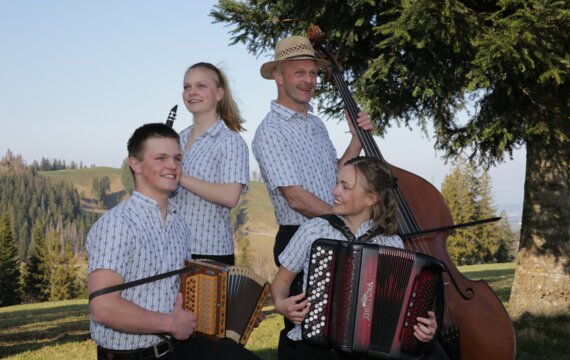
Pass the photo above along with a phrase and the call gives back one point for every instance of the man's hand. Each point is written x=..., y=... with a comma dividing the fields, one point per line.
x=363, y=122
x=184, y=321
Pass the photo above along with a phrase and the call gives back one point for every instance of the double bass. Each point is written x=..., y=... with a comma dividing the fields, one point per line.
x=475, y=324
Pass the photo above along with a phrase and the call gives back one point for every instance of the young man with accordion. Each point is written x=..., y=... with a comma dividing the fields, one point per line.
x=141, y=238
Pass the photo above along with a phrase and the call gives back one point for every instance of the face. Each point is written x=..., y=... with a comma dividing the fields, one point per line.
x=296, y=81
x=201, y=92
x=159, y=171
x=350, y=196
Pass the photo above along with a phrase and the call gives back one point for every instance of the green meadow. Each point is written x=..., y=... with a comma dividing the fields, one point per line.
x=60, y=330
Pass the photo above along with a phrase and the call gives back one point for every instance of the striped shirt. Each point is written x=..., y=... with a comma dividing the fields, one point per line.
x=132, y=240
x=294, y=150
x=296, y=255
x=219, y=156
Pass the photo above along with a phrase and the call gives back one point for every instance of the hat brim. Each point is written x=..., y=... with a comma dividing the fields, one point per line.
x=266, y=69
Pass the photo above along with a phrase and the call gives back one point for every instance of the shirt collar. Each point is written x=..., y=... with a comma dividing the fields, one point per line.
x=364, y=227
x=215, y=129
x=287, y=113
x=148, y=202
x=212, y=131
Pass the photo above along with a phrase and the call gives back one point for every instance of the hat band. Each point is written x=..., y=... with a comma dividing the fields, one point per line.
x=299, y=56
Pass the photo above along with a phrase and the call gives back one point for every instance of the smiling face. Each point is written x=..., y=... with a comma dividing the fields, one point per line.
x=158, y=172
x=201, y=92
x=296, y=81
x=351, y=197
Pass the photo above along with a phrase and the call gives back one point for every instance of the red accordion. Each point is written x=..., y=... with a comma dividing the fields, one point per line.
x=365, y=298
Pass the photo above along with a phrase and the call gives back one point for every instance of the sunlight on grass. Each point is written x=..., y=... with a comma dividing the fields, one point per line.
x=60, y=330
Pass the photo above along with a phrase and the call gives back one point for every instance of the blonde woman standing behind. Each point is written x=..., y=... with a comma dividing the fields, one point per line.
x=215, y=163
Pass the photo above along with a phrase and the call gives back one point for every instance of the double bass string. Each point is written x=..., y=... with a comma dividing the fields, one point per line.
x=475, y=339
x=406, y=220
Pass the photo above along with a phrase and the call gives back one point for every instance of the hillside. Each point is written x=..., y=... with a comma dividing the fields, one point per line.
x=260, y=226
x=82, y=180
x=261, y=218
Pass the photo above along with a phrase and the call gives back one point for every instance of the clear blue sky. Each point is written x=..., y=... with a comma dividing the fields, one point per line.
x=77, y=77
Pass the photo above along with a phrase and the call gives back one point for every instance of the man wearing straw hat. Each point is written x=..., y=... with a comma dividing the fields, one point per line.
x=297, y=159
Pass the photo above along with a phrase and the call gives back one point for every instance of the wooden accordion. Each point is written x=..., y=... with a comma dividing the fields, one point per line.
x=365, y=298
x=226, y=300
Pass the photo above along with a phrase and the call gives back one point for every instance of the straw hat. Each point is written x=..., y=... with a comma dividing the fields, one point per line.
x=291, y=48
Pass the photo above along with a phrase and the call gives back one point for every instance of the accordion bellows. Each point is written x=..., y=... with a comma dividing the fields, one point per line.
x=365, y=298
x=226, y=300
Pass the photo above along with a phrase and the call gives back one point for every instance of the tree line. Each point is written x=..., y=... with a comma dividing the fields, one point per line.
x=43, y=230
x=42, y=236
x=15, y=161
x=468, y=193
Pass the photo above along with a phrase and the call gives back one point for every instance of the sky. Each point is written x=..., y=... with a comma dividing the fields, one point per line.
x=77, y=77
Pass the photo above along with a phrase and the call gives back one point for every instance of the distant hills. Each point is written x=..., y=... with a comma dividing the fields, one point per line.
x=260, y=225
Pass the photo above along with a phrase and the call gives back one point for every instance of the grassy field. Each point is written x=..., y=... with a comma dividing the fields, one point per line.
x=61, y=329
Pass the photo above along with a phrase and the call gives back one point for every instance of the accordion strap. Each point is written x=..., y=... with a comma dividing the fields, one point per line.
x=337, y=223
x=133, y=283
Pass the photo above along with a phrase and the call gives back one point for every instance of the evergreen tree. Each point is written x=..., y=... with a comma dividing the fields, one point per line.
x=96, y=188
x=49, y=255
x=490, y=241
x=64, y=275
x=457, y=190
x=509, y=240
x=100, y=188
x=425, y=61
x=238, y=219
x=36, y=282
x=127, y=177
x=10, y=290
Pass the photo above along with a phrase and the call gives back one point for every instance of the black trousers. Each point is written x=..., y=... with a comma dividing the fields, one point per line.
x=286, y=347
x=199, y=347
x=195, y=348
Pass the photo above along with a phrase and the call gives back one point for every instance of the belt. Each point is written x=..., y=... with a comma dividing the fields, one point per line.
x=156, y=351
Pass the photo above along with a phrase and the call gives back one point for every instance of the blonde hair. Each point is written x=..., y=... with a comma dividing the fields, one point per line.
x=378, y=179
x=227, y=108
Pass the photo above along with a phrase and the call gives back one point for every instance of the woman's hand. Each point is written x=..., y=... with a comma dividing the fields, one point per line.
x=294, y=308
x=425, y=329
